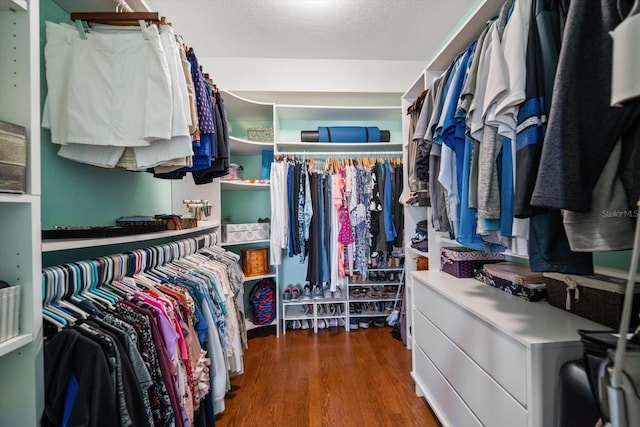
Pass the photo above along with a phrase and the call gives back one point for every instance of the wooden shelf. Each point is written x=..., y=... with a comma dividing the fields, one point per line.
x=66, y=244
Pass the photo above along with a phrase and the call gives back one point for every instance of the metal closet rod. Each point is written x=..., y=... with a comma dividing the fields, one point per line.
x=341, y=153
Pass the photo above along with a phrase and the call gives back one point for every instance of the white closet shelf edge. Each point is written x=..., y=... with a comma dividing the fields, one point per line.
x=65, y=244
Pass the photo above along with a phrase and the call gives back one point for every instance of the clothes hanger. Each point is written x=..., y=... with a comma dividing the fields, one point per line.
x=91, y=289
x=71, y=280
x=47, y=293
x=55, y=296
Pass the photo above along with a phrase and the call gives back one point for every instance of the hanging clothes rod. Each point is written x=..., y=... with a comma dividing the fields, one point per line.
x=341, y=153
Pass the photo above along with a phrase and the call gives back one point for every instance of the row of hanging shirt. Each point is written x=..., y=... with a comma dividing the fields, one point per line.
x=133, y=97
x=334, y=215
x=152, y=348
x=499, y=143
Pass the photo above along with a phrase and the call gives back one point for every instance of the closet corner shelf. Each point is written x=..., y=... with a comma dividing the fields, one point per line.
x=412, y=251
x=242, y=185
x=15, y=343
x=65, y=244
x=260, y=277
x=250, y=242
x=250, y=325
x=241, y=146
x=13, y=5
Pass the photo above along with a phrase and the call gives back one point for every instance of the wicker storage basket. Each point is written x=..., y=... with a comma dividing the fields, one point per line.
x=597, y=298
x=260, y=134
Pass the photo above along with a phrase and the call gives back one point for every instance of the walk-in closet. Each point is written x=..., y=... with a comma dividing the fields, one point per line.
x=329, y=212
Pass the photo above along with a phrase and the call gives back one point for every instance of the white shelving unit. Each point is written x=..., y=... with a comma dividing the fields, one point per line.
x=293, y=311
x=20, y=357
x=369, y=307
x=287, y=122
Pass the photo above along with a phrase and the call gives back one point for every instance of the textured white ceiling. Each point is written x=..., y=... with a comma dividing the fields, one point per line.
x=395, y=30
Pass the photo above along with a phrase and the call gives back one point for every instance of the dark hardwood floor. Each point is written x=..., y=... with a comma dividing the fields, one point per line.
x=333, y=378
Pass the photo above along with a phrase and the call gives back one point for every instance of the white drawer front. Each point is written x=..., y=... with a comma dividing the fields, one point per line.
x=447, y=405
x=503, y=358
x=486, y=398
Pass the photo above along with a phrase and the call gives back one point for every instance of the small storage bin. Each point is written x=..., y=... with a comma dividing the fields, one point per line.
x=598, y=298
x=463, y=262
x=9, y=312
x=234, y=233
x=258, y=134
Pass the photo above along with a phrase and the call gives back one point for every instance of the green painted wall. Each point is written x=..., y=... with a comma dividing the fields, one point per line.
x=78, y=194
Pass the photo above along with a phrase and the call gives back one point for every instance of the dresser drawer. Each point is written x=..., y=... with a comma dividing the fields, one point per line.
x=503, y=358
x=487, y=399
x=445, y=402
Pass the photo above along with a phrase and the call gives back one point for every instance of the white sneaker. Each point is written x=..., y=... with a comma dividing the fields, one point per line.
x=305, y=324
x=321, y=324
x=392, y=319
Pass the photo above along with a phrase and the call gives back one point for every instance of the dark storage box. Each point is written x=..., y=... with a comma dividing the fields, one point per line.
x=463, y=262
x=526, y=291
x=598, y=298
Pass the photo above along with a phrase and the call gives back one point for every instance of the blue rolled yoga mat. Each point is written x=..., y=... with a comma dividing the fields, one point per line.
x=348, y=134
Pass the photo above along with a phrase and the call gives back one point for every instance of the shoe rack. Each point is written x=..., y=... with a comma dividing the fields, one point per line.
x=372, y=298
x=321, y=310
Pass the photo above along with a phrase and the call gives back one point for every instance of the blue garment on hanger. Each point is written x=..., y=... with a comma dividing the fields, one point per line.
x=70, y=399
x=389, y=220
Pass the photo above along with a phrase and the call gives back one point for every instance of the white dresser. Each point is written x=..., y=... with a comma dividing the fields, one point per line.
x=484, y=357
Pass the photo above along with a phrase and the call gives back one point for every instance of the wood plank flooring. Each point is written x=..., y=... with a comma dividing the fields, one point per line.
x=333, y=378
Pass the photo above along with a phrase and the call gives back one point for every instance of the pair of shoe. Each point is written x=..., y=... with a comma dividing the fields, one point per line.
x=318, y=292
x=364, y=322
x=353, y=324
x=291, y=293
x=306, y=292
x=294, y=324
